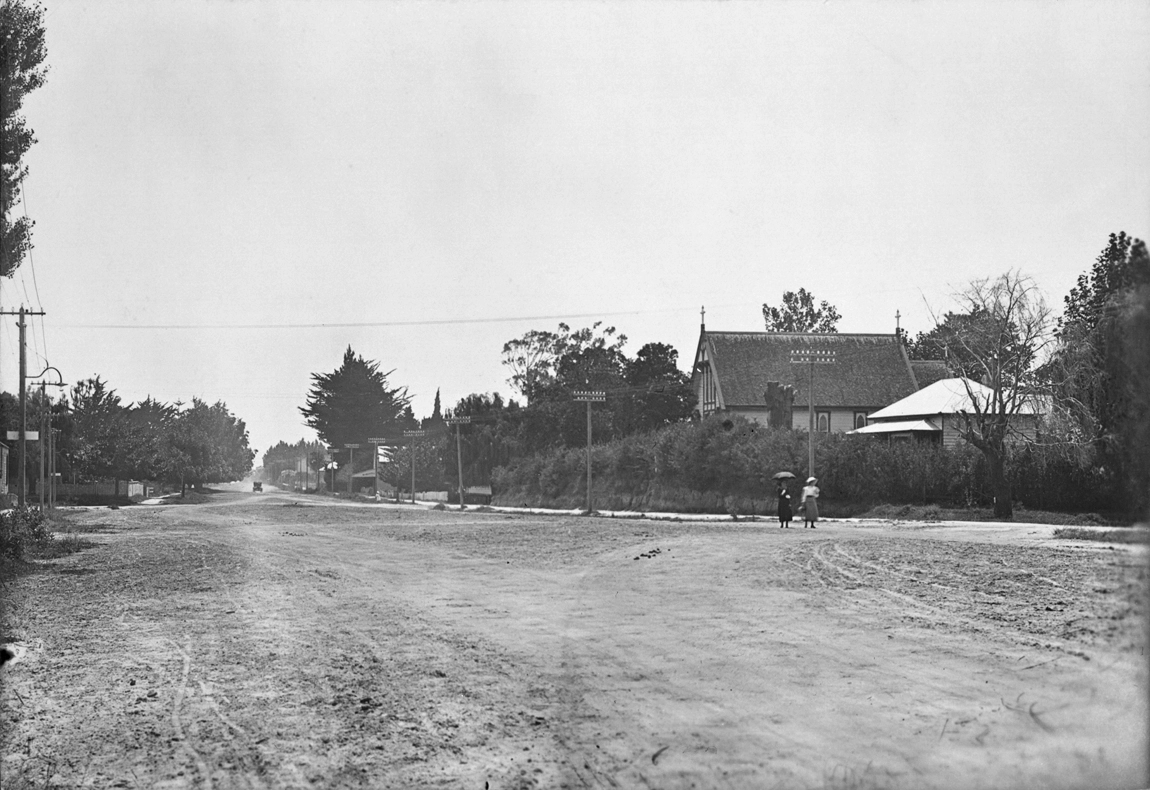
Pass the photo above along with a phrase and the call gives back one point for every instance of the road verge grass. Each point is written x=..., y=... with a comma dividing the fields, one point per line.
x=1128, y=535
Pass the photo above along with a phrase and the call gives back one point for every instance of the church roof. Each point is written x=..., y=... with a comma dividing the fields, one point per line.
x=869, y=371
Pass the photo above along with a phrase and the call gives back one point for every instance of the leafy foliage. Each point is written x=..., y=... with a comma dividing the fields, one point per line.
x=20, y=527
x=798, y=313
x=207, y=444
x=642, y=393
x=429, y=472
x=1122, y=266
x=353, y=403
x=961, y=340
x=284, y=458
x=23, y=49
x=660, y=393
x=485, y=443
x=542, y=362
x=725, y=465
x=99, y=424
x=98, y=437
x=1099, y=372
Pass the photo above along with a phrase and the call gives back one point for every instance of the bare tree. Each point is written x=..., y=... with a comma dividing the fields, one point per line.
x=1003, y=347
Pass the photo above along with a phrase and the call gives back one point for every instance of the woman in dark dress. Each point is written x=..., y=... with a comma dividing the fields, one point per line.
x=785, y=514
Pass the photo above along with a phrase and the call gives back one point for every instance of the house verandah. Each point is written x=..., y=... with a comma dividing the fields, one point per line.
x=733, y=370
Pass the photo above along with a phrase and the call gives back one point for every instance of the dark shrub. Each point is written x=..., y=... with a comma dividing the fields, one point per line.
x=19, y=528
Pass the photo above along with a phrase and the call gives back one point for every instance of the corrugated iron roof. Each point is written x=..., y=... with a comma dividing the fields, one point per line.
x=869, y=371
x=948, y=396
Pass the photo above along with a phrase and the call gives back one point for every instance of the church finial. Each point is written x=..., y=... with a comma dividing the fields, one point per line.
x=703, y=317
x=897, y=325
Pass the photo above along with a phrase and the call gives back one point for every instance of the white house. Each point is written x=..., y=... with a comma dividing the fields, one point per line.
x=935, y=413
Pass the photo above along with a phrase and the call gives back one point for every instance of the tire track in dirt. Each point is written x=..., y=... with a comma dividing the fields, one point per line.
x=186, y=744
x=730, y=658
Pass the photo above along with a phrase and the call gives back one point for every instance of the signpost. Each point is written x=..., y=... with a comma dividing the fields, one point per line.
x=589, y=396
x=812, y=357
x=413, y=435
x=351, y=468
x=457, y=421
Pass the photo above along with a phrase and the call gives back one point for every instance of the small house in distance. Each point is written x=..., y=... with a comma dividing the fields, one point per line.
x=733, y=369
x=935, y=414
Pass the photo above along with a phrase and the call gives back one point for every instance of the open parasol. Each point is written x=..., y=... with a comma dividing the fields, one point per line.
x=784, y=476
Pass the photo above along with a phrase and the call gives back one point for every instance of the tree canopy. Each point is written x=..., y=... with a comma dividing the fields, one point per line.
x=23, y=49
x=354, y=403
x=965, y=341
x=549, y=367
x=542, y=361
x=1098, y=372
x=100, y=437
x=1122, y=266
x=798, y=313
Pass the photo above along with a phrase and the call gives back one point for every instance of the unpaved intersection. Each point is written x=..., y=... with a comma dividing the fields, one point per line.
x=258, y=642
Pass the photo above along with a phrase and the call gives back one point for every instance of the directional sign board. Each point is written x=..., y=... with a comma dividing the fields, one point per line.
x=353, y=446
x=813, y=356
x=32, y=436
x=593, y=396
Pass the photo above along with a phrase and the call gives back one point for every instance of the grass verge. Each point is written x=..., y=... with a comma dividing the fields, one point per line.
x=930, y=513
x=1128, y=535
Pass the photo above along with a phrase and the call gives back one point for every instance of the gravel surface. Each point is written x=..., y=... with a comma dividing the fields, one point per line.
x=284, y=641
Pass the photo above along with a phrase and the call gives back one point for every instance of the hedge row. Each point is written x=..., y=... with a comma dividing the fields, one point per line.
x=727, y=465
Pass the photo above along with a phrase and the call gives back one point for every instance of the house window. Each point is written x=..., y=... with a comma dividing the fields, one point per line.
x=823, y=422
x=860, y=419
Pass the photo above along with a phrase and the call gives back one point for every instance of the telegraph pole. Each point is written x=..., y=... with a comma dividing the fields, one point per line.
x=23, y=442
x=51, y=466
x=812, y=357
x=457, y=421
x=40, y=444
x=413, y=435
x=589, y=396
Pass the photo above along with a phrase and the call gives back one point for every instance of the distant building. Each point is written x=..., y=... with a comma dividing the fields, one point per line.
x=934, y=414
x=732, y=371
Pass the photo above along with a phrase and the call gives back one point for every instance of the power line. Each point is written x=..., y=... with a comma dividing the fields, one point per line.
x=368, y=323
x=35, y=283
x=354, y=324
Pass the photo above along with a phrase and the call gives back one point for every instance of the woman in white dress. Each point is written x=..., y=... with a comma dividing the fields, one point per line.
x=810, y=503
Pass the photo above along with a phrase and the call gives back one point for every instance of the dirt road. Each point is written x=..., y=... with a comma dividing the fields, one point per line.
x=277, y=641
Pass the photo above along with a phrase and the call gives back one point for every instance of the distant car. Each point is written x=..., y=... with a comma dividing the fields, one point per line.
x=257, y=486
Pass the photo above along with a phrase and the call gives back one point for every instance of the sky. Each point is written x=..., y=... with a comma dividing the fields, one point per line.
x=227, y=195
